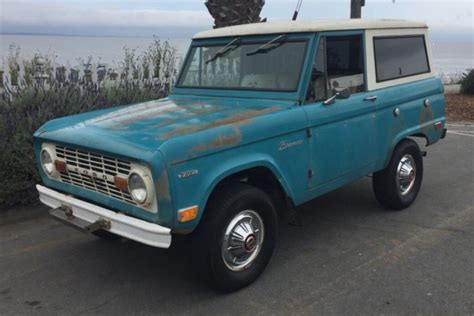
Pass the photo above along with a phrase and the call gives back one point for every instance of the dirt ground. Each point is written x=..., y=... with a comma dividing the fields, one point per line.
x=460, y=107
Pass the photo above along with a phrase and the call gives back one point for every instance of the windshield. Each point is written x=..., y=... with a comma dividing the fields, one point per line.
x=264, y=65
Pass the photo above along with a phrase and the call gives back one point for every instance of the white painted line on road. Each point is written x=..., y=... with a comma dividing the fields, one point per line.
x=461, y=131
x=459, y=125
x=461, y=134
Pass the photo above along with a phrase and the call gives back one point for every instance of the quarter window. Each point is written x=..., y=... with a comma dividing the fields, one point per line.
x=400, y=57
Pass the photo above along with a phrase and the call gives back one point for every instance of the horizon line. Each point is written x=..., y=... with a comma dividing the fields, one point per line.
x=88, y=35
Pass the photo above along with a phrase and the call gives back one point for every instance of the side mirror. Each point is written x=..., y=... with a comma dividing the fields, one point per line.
x=343, y=93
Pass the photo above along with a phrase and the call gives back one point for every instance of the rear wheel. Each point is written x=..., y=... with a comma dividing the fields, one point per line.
x=397, y=186
x=236, y=237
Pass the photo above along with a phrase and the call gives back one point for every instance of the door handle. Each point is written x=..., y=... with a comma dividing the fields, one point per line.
x=371, y=98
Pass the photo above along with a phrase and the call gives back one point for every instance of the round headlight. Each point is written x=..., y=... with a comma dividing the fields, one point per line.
x=47, y=162
x=137, y=188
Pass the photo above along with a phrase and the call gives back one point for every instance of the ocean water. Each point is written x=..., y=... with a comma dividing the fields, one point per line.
x=449, y=57
x=452, y=57
x=72, y=50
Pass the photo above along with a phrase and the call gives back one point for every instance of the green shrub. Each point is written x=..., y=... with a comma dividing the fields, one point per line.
x=31, y=102
x=467, y=83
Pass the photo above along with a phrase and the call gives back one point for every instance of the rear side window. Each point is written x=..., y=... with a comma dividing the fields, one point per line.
x=400, y=57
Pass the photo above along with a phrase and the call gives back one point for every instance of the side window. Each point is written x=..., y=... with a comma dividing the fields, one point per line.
x=339, y=64
x=318, y=87
x=399, y=57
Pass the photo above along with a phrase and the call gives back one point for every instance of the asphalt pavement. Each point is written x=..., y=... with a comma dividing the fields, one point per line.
x=349, y=257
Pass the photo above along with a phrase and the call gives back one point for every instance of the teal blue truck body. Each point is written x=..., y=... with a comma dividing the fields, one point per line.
x=198, y=137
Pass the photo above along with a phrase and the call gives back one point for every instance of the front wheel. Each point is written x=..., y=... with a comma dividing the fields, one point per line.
x=397, y=186
x=236, y=238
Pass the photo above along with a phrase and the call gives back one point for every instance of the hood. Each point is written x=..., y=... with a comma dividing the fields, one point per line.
x=146, y=126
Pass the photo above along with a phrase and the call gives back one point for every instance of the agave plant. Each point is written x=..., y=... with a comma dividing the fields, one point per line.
x=235, y=12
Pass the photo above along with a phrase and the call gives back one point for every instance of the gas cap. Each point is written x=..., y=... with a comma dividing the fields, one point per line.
x=396, y=112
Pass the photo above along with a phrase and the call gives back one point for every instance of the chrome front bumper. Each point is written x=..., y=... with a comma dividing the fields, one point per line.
x=83, y=212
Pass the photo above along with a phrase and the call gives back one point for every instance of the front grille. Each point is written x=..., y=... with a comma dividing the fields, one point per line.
x=107, y=167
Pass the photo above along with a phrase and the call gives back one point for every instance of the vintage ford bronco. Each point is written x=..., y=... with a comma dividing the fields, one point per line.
x=263, y=118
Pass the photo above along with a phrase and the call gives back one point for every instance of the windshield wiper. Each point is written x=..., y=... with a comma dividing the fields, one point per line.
x=265, y=48
x=225, y=50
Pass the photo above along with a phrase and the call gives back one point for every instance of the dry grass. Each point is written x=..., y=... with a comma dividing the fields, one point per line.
x=460, y=107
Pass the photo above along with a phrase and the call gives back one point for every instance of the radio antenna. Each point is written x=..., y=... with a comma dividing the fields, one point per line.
x=297, y=10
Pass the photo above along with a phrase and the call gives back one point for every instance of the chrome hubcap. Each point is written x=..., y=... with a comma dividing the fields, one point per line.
x=406, y=174
x=243, y=239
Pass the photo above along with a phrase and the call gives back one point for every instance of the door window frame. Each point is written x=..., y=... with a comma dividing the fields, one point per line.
x=315, y=49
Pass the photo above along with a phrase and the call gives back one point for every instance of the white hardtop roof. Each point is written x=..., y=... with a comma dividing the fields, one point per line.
x=308, y=27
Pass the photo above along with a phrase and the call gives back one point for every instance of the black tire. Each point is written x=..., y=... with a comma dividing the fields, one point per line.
x=225, y=206
x=387, y=191
x=105, y=235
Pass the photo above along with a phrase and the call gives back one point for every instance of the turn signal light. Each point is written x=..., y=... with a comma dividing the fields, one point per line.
x=60, y=166
x=121, y=183
x=438, y=125
x=188, y=214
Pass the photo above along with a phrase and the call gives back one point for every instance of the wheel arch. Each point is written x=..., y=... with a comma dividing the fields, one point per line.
x=421, y=135
x=408, y=134
x=263, y=174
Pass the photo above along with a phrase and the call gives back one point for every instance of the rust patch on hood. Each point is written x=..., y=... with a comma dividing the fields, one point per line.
x=144, y=112
x=187, y=113
x=143, y=116
x=221, y=141
x=240, y=119
x=146, y=108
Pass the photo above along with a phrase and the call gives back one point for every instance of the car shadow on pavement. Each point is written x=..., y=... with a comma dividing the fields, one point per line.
x=167, y=274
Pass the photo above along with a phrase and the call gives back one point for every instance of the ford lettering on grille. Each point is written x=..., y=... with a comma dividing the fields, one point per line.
x=93, y=174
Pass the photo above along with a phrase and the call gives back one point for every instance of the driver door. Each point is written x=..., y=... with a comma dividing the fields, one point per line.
x=342, y=142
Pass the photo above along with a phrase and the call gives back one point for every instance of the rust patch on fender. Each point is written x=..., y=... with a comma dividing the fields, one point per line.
x=426, y=115
x=163, y=187
x=398, y=126
x=241, y=119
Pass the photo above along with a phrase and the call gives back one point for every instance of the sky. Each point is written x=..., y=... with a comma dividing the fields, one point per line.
x=448, y=19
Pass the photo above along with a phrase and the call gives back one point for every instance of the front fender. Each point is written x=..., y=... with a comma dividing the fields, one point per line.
x=196, y=189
